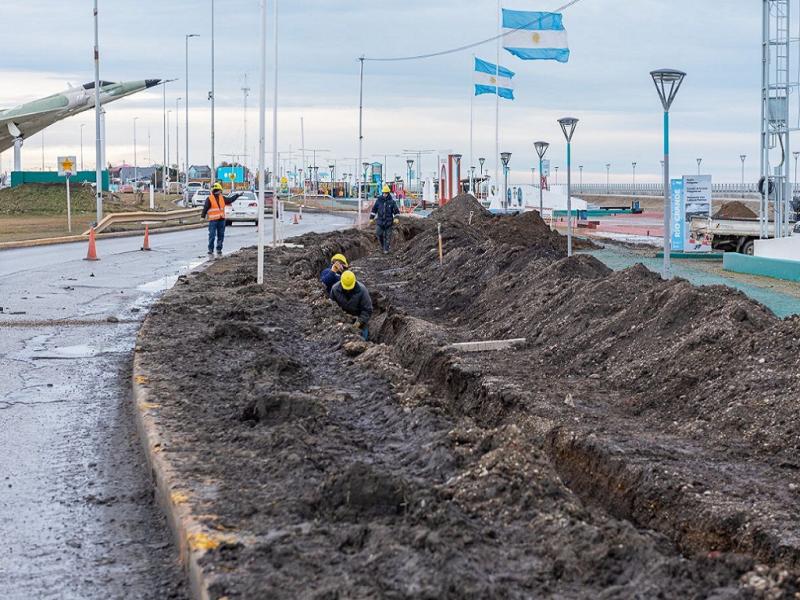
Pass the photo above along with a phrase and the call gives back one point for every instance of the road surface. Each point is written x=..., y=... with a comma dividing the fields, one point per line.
x=76, y=500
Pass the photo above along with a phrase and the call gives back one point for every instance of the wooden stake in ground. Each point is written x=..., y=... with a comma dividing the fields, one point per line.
x=441, y=255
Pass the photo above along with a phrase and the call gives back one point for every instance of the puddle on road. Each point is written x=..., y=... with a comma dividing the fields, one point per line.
x=162, y=284
x=79, y=351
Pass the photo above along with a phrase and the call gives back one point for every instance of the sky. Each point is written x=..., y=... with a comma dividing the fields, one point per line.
x=408, y=105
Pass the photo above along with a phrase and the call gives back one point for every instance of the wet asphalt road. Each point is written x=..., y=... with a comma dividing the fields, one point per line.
x=76, y=504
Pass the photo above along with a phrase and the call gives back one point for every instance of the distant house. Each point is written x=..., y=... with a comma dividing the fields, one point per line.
x=199, y=173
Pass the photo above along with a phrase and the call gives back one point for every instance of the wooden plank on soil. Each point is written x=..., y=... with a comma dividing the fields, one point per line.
x=487, y=346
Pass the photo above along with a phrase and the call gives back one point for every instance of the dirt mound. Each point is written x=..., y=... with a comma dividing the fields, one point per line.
x=362, y=490
x=271, y=408
x=735, y=210
x=463, y=208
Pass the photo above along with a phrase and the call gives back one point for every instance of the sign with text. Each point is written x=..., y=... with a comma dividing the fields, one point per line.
x=696, y=204
x=678, y=221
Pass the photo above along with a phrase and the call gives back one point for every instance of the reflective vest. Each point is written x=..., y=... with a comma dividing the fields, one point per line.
x=217, y=209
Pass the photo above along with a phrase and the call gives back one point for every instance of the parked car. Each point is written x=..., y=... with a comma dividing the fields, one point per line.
x=244, y=207
x=199, y=197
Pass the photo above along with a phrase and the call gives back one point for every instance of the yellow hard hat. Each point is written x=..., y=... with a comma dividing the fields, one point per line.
x=340, y=258
x=386, y=189
x=348, y=280
x=217, y=186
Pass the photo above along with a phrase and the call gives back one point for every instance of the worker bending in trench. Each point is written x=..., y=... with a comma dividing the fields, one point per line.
x=333, y=274
x=353, y=298
x=384, y=214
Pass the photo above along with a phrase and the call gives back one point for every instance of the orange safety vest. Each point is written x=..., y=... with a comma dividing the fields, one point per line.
x=217, y=209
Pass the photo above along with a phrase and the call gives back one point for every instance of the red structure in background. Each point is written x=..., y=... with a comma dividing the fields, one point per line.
x=449, y=179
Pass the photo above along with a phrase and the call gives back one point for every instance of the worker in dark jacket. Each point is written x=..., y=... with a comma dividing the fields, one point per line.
x=214, y=209
x=353, y=298
x=384, y=214
x=333, y=274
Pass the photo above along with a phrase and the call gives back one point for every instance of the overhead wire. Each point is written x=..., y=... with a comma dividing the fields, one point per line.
x=460, y=48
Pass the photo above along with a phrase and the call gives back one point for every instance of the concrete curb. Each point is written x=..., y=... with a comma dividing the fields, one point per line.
x=69, y=239
x=172, y=494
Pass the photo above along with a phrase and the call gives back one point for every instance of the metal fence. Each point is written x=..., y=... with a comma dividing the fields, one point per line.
x=719, y=190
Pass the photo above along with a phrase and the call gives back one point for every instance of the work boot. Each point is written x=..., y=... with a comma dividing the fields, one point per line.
x=385, y=251
x=219, y=253
x=210, y=255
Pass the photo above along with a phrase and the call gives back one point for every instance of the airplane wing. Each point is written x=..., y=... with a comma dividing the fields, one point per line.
x=29, y=119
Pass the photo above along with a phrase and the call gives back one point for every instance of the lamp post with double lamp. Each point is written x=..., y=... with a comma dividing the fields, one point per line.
x=505, y=157
x=541, y=150
x=743, y=157
x=568, y=125
x=409, y=166
x=699, y=161
x=667, y=82
x=634, y=177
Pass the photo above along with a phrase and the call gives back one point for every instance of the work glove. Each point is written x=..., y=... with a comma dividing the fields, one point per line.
x=396, y=221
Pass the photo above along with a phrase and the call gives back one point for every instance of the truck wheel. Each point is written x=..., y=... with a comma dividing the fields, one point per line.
x=748, y=247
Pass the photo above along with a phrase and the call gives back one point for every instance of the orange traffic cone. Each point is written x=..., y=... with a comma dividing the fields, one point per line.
x=146, y=245
x=92, y=254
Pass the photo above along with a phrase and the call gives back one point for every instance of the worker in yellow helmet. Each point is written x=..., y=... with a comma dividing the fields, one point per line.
x=333, y=274
x=214, y=209
x=384, y=214
x=353, y=298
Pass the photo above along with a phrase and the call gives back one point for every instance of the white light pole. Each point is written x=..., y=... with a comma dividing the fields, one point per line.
x=275, y=129
x=580, y=177
x=556, y=170
x=164, y=139
x=82, y=126
x=186, y=104
x=743, y=157
x=667, y=82
x=178, y=140
x=135, y=161
x=794, y=184
x=262, y=120
x=211, y=95
x=568, y=125
x=410, y=163
x=541, y=150
x=98, y=146
x=608, y=179
x=634, y=177
x=699, y=160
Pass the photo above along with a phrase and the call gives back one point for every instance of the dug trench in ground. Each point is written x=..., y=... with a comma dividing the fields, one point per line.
x=332, y=468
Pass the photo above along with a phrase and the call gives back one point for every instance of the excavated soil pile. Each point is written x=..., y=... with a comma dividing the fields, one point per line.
x=641, y=443
x=735, y=210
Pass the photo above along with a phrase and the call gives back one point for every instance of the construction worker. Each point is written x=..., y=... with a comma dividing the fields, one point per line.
x=353, y=298
x=384, y=213
x=333, y=274
x=214, y=210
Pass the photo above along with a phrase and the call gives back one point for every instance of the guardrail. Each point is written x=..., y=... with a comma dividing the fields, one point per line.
x=719, y=190
x=142, y=216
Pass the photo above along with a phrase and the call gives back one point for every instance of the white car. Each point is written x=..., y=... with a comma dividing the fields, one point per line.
x=243, y=208
x=193, y=186
x=200, y=196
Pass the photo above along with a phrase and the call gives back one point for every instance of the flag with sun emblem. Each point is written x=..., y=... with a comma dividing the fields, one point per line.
x=493, y=79
x=535, y=35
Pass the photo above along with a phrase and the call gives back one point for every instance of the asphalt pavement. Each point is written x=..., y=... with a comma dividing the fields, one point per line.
x=76, y=502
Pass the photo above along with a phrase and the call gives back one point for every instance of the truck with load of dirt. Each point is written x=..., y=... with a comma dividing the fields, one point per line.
x=732, y=235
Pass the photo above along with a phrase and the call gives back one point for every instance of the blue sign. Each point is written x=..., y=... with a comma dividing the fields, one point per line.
x=224, y=174
x=678, y=208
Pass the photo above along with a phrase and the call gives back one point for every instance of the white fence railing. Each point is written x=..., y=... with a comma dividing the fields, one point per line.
x=720, y=190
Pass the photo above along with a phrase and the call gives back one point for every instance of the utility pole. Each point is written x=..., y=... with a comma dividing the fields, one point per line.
x=98, y=146
x=245, y=94
x=211, y=96
x=186, y=105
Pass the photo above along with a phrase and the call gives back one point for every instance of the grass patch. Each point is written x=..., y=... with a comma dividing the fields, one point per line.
x=51, y=199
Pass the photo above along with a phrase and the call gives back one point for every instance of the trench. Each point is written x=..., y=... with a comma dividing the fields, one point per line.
x=642, y=483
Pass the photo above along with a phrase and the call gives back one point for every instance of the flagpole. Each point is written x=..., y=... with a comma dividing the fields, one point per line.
x=471, y=114
x=497, y=108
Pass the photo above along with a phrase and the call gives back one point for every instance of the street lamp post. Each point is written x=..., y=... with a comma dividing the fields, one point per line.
x=186, y=104
x=667, y=82
x=568, y=125
x=699, y=161
x=82, y=126
x=794, y=184
x=608, y=179
x=556, y=170
x=457, y=158
x=634, y=177
x=481, y=161
x=178, y=141
x=332, y=169
x=743, y=157
x=365, y=166
x=541, y=150
x=505, y=157
x=135, y=161
x=580, y=180
x=472, y=179
x=409, y=164
x=98, y=147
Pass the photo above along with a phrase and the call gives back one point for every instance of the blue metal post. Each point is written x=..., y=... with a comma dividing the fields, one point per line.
x=667, y=204
x=569, y=199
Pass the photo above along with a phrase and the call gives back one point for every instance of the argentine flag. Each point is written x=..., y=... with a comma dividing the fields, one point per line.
x=535, y=35
x=489, y=79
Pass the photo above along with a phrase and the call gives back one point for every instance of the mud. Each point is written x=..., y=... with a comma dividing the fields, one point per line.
x=642, y=443
x=735, y=210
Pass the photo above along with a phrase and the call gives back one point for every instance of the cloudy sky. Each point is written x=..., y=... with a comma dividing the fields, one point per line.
x=417, y=104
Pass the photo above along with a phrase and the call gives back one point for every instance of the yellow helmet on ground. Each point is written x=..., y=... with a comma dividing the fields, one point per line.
x=387, y=189
x=340, y=258
x=217, y=186
x=348, y=280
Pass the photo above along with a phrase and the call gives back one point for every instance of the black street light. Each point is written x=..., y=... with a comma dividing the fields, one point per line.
x=505, y=157
x=568, y=125
x=541, y=150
